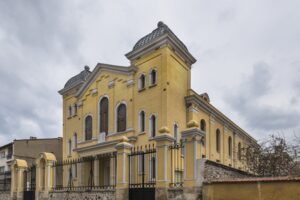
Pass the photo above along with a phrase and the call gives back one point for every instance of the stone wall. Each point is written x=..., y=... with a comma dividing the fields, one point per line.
x=5, y=195
x=175, y=194
x=215, y=171
x=88, y=195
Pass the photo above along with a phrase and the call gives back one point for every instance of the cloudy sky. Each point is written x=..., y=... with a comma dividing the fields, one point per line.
x=248, y=56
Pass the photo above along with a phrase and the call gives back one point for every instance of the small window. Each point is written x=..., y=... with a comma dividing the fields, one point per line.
x=203, y=125
x=153, y=77
x=121, y=118
x=70, y=111
x=176, y=133
x=88, y=128
x=69, y=147
x=153, y=126
x=75, y=140
x=142, y=82
x=142, y=121
x=1, y=170
x=239, y=151
x=229, y=146
x=218, y=140
x=75, y=109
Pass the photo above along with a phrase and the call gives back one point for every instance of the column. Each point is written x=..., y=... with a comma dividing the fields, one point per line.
x=96, y=172
x=122, y=186
x=192, y=144
x=163, y=163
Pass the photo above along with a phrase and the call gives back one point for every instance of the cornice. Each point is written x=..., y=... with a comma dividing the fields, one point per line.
x=211, y=110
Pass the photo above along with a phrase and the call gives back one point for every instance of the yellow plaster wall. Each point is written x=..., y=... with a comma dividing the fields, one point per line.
x=252, y=191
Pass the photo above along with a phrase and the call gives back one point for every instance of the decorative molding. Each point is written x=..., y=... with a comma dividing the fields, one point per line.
x=111, y=84
x=130, y=82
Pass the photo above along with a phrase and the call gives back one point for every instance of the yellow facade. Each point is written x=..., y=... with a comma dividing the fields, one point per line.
x=171, y=100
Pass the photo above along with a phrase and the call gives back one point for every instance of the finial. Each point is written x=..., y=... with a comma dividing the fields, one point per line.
x=160, y=24
x=86, y=68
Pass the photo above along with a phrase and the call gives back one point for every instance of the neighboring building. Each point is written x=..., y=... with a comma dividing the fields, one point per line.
x=140, y=101
x=28, y=150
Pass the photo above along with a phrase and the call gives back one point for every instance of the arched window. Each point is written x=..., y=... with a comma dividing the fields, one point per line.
x=229, y=146
x=75, y=140
x=239, y=151
x=152, y=126
x=121, y=118
x=218, y=142
x=70, y=111
x=202, y=125
x=176, y=132
x=88, y=127
x=103, y=115
x=142, y=121
x=75, y=108
x=153, y=77
x=69, y=147
x=142, y=82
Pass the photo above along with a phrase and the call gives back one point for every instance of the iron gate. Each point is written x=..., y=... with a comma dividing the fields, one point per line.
x=142, y=173
x=29, y=183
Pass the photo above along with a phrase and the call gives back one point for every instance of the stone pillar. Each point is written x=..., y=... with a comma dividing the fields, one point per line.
x=122, y=187
x=44, y=175
x=163, y=163
x=17, y=181
x=192, y=143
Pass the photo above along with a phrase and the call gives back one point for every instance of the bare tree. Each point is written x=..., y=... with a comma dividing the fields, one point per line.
x=273, y=157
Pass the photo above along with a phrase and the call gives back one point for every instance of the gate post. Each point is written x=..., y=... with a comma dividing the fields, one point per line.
x=192, y=144
x=44, y=175
x=17, y=180
x=122, y=186
x=163, y=172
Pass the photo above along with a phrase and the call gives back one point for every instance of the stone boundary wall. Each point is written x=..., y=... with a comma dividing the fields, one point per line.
x=207, y=171
x=5, y=195
x=86, y=195
x=214, y=171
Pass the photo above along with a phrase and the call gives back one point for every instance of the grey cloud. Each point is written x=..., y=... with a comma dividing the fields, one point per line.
x=247, y=101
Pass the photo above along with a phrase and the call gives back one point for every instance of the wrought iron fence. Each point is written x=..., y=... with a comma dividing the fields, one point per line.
x=176, y=151
x=86, y=173
x=5, y=181
x=142, y=167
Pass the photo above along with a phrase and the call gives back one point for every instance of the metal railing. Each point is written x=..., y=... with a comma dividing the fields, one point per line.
x=176, y=151
x=86, y=173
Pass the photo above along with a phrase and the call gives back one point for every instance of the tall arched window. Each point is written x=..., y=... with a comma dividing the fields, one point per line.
x=70, y=111
x=104, y=115
x=239, y=151
x=88, y=127
x=218, y=140
x=152, y=126
x=202, y=125
x=176, y=132
x=75, y=140
x=142, y=82
x=229, y=146
x=69, y=147
x=121, y=118
x=142, y=121
x=153, y=77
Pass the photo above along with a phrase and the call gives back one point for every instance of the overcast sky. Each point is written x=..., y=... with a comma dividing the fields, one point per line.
x=248, y=56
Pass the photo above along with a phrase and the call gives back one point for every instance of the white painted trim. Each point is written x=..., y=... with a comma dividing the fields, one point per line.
x=150, y=76
x=139, y=81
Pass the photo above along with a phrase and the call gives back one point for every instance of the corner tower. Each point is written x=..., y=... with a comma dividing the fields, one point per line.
x=163, y=51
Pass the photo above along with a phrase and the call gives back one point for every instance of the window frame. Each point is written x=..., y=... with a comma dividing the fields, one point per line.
x=151, y=82
x=117, y=117
x=151, y=130
x=218, y=140
x=142, y=121
x=85, y=128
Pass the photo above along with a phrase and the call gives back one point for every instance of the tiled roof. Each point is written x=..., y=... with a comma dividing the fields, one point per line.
x=156, y=33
